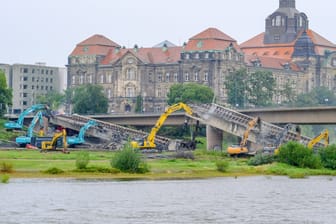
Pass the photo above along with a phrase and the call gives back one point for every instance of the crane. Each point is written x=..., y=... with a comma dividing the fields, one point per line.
x=242, y=148
x=149, y=142
x=24, y=140
x=77, y=140
x=323, y=135
x=19, y=123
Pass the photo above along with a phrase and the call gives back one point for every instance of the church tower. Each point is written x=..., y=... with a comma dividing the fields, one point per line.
x=284, y=25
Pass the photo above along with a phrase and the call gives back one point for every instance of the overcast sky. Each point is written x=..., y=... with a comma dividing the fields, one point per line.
x=48, y=30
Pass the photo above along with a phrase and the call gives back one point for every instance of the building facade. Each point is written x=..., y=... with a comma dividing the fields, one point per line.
x=28, y=81
x=296, y=56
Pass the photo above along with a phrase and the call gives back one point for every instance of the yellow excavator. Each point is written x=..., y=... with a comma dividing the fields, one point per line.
x=149, y=142
x=323, y=135
x=51, y=145
x=242, y=147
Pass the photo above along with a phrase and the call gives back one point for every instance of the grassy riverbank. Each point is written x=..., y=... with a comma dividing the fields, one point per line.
x=33, y=164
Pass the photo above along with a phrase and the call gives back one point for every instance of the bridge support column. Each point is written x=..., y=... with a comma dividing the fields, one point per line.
x=214, y=138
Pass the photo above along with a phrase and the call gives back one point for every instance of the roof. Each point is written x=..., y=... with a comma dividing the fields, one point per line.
x=210, y=39
x=146, y=55
x=256, y=46
x=94, y=45
x=270, y=62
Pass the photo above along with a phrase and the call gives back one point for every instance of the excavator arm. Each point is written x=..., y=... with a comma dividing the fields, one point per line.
x=323, y=135
x=19, y=123
x=149, y=142
x=76, y=140
x=241, y=148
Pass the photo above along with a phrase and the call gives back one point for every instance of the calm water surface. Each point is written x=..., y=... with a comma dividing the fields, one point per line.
x=255, y=200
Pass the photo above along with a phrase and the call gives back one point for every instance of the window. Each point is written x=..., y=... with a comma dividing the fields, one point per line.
x=51, y=80
x=24, y=103
x=32, y=87
x=175, y=77
x=206, y=55
x=206, y=76
x=130, y=74
x=42, y=71
x=187, y=56
x=196, y=76
x=25, y=70
x=33, y=70
x=25, y=86
x=159, y=93
x=33, y=79
x=73, y=81
x=81, y=79
x=129, y=92
x=101, y=78
x=109, y=95
x=51, y=72
x=197, y=56
x=25, y=78
x=186, y=75
x=110, y=78
x=90, y=79
x=167, y=77
x=159, y=77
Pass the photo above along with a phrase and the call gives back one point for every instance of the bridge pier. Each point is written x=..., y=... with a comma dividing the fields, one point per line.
x=214, y=138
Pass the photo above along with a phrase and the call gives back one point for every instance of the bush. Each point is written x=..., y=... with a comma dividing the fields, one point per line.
x=82, y=160
x=260, y=159
x=129, y=160
x=222, y=165
x=97, y=169
x=53, y=170
x=328, y=156
x=296, y=154
x=6, y=167
x=5, y=179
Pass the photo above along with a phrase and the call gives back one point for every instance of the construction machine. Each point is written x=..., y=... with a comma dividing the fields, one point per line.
x=72, y=141
x=17, y=125
x=242, y=147
x=22, y=141
x=280, y=139
x=53, y=143
x=149, y=142
x=323, y=135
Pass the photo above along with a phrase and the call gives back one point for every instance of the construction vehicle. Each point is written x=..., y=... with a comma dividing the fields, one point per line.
x=149, y=142
x=280, y=139
x=22, y=141
x=72, y=141
x=53, y=143
x=242, y=147
x=17, y=125
x=323, y=135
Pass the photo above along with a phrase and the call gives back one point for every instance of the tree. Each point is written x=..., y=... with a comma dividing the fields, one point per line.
x=139, y=104
x=288, y=92
x=52, y=98
x=88, y=99
x=320, y=96
x=189, y=93
x=235, y=85
x=5, y=94
x=260, y=88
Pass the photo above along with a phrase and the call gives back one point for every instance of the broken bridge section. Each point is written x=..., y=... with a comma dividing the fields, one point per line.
x=218, y=119
x=107, y=132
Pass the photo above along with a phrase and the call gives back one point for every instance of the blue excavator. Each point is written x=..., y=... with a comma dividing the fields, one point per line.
x=72, y=141
x=17, y=125
x=22, y=141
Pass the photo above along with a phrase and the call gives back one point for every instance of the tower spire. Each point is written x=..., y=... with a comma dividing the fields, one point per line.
x=287, y=4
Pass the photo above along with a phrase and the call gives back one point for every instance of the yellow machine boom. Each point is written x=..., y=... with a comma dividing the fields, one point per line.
x=241, y=148
x=149, y=142
x=323, y=135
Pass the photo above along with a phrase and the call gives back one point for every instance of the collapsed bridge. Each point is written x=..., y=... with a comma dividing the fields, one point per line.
x=218, y=119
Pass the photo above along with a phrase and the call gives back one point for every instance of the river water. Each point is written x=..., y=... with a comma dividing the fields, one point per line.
x=231, y=200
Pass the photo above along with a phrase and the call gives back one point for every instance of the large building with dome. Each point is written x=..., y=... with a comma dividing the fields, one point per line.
x=294, y=53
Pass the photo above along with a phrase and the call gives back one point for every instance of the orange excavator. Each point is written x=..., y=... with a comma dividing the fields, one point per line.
x=242, y=147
